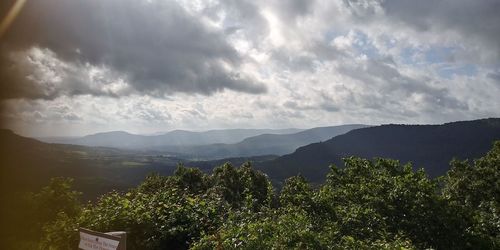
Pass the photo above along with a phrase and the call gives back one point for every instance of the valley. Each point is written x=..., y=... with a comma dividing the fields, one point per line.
x=98, y=170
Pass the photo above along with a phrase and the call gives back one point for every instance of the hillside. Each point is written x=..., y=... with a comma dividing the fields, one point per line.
x=265, y=144
x=365, y=204
x=121, y=139
x=428, y=146
x=27, y=164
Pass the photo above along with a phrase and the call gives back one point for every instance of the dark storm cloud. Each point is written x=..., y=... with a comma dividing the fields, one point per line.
x=495, y=76
x=156, y=46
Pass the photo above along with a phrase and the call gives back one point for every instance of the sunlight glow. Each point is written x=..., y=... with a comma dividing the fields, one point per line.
x=11, y=15
x=275, y=27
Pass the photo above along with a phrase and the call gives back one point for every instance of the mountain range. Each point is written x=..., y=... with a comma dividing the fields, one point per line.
x=212, y=144
x=264, y=144
x=431, y=147
x=27, y=164
x=122, y=139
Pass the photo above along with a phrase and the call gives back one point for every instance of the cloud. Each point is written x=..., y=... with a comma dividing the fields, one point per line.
x=387, y=80
x=38, y=73
x=495, y=76
x=161, y=64
x=474, y=22
x=155, y=47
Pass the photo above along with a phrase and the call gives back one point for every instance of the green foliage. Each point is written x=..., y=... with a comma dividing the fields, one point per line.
x=288, y=228
x=41, y=218
x=366, y=204
x=170, y=212
x=242, y=187
x=193, y=180
x=382, y=198
x=56, y=198
x=475, y=189
x=156, y=221
x=190, y=180
x=296, y=192
x=60, y=233
x=275, y=230
x=154, y=183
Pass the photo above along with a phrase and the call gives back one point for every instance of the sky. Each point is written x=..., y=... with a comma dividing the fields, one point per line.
x=70, y=68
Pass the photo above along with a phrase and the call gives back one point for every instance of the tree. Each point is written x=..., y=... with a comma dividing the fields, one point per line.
x=57, y=197
x=382, y=199
x=242, y=186
x=475, y=189
x=296, y=192
x=55, y=203
x=366, y=204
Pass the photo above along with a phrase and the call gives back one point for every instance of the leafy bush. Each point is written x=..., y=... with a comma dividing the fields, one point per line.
x=366, y=204
x=475, y=189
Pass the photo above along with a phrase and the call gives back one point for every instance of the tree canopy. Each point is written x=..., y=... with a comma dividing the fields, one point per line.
x=365, y=204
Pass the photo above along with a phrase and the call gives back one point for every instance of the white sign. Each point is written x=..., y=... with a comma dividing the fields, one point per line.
x=89, y=241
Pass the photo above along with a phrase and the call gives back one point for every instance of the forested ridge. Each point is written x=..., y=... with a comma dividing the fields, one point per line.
x=363, y=204
x=426, y=146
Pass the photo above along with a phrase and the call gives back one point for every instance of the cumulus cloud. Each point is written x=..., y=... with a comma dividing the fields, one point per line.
x=155, y=47
x=162, y=64
x=476, y=21
x=470, y=25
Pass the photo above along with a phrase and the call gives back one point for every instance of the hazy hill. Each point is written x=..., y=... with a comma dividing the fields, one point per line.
x=27, y=164
x=283, y=144
x=265, y=144
x=428, y=146
x=121, y=139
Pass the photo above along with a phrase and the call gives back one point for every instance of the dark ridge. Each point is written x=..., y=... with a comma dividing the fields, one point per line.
x=431, y=147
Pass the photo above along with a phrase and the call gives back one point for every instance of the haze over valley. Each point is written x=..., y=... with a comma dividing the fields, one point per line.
x=99, y=168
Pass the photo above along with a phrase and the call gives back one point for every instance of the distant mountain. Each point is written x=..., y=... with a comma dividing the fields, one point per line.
x=27, y=164
x=428, y=146
x=265, y=144
x=284, y=144
x=116, y=139
x=121, y=139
